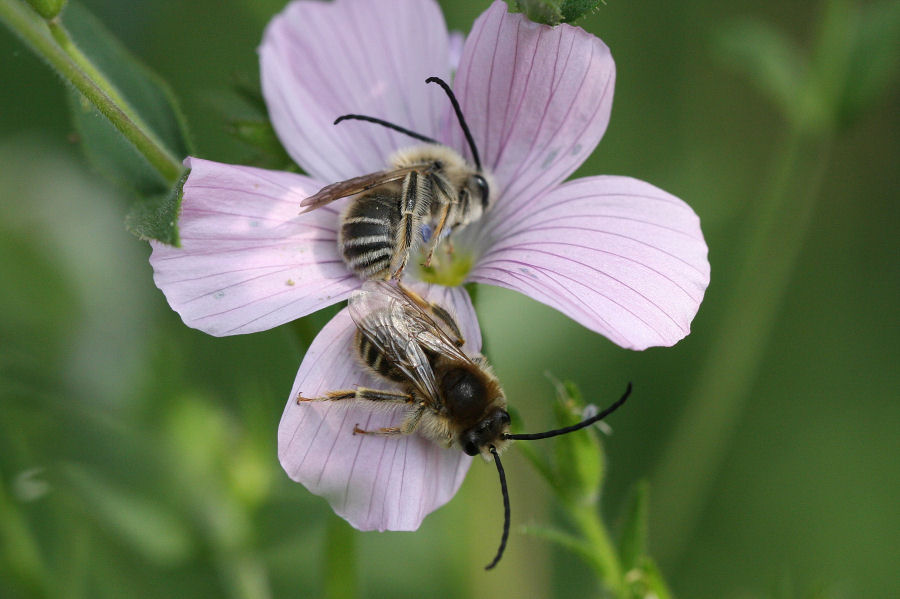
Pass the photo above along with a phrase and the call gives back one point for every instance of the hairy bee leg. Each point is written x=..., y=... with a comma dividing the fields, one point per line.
x=413, y=192
x=436, y=311
x=362, y=393
x=408, y=426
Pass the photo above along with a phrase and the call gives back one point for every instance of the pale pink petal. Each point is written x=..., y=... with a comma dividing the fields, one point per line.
x=320, y=60
x=375, y=483
x=616, y=254
x=248, y=261
x=538, y=100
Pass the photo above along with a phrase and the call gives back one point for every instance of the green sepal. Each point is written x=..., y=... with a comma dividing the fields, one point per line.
x=259, y=134
x=553, y=12
x=633, y=534
x=47, y=8
x=578, y=456
x=156, y=217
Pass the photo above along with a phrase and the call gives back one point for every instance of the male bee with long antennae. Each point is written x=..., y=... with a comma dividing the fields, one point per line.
x=426, y=186
x=449, y=396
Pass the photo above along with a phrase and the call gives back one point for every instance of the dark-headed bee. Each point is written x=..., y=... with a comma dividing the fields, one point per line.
x=450, y=397
x=426, y=187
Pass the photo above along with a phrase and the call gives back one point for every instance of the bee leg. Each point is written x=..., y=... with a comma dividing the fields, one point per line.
x=436, y=236
x=436, y=311
x=362, y=393
x=414, y=197
x=407, y=427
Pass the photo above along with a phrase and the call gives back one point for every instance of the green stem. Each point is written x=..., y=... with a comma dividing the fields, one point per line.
x=340, y=559
x=694, y=455
x=606, y=560
x=50, y=41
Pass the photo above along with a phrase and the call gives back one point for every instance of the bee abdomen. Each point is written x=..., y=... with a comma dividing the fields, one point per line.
x=367, y=235
x=374, y=359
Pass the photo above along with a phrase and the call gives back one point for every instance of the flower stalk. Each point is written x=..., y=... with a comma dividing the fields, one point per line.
x=50, y=41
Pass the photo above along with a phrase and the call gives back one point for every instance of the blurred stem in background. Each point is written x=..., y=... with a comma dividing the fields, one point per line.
x=817, y=95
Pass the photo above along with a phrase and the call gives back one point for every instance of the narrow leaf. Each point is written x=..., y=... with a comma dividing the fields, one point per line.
x=768, y=58
x=633, y=536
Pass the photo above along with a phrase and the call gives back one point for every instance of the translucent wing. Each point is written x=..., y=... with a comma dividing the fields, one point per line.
x=403, y=331
x=350, y=187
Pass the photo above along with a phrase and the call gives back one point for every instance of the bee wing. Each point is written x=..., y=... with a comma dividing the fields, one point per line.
x=342, y=189
x=385, y=321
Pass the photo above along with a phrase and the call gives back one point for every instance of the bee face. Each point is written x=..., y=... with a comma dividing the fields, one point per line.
x=488, y=432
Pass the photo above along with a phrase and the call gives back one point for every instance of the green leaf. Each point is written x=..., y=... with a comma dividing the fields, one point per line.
x=156, y=217
x=151, y=100
x=633, y=536
x=874, y=58
x=768, y=58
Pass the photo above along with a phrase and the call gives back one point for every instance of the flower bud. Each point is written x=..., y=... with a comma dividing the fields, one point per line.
x=48, y=9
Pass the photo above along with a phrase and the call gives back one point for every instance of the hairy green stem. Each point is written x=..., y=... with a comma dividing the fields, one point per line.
x=51, y=42
x=694, y=454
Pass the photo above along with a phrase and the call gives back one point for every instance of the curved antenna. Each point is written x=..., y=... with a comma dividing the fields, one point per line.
x=459, y=115
x=505, y=493
x=377, y=121
x=574, y=427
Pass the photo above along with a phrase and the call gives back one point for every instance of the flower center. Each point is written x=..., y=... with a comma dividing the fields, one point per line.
x=449, y=266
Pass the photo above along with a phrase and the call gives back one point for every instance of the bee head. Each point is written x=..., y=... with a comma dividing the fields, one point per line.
x=487, y=432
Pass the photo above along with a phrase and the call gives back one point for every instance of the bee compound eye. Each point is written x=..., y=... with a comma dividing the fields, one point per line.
x=484, y=191
x=470, y=448
x=504, y=417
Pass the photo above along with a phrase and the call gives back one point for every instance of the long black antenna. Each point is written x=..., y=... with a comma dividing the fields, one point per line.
x=574, y=427
x=459, y=115
x=377, y=121
x=505, y=493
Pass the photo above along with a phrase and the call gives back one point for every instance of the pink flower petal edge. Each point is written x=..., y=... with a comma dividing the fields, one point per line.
x=375, y=483
x=248, y=262
x=618, y=255
x=537, y=99
x=320, y=60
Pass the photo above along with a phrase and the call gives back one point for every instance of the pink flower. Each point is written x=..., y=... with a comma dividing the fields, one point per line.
x=616, y=254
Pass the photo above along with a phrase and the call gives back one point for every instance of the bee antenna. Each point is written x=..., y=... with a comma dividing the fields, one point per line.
x=574, y=427
x=459, y=115
x=505, y=493
x=377, y=121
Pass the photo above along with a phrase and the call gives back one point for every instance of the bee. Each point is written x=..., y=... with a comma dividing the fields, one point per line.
x=429, y=187
x=449, y=396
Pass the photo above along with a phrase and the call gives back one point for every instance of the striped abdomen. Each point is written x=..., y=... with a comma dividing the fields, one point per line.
x=374, y=359
x=368, y=233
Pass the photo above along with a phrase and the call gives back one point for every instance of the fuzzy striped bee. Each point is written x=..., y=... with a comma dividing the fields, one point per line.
x=428, y=187
x=449, y=396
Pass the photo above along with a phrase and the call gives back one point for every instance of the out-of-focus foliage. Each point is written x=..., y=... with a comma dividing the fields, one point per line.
x=137, y=457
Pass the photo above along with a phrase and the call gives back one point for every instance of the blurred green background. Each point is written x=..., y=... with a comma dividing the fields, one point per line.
x=137, y=456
